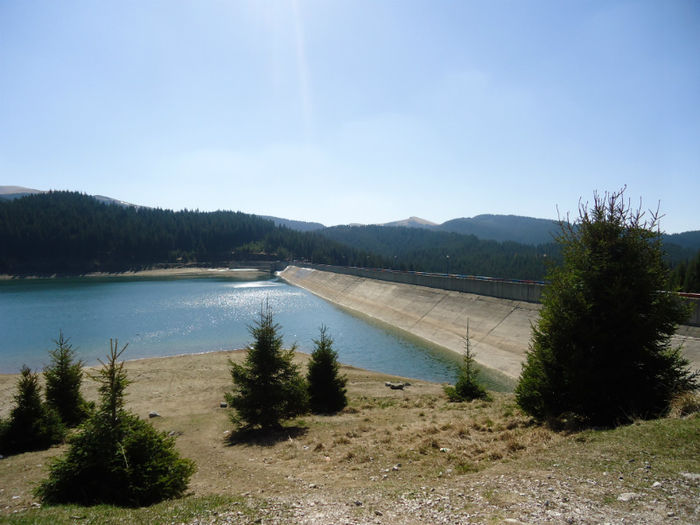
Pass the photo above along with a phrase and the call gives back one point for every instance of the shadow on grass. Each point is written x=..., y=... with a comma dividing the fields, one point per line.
x=265, y=437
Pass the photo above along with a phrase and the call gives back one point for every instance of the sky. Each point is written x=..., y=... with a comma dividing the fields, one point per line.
x=359, y=111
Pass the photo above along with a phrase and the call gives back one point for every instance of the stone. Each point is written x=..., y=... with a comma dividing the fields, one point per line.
x=628, y=496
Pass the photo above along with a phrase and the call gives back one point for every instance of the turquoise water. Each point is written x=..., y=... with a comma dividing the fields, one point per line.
x=177, y=316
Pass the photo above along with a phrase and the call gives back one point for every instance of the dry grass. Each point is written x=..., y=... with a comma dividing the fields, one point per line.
x=416, y=428
x=386, y=443
x=685, y=405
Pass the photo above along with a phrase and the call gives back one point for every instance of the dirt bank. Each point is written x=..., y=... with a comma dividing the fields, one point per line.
x=243, y=273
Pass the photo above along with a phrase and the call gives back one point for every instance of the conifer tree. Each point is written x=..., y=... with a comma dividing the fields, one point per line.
x=267, y=387
x=326, y=387
x=117, y=458
x=467, y=386
x=64, y=377
x=601, y=351
x=32, y=425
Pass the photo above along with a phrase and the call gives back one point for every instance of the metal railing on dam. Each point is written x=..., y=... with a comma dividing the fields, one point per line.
x=511, y=289
x=517, y=290
x=693, y=298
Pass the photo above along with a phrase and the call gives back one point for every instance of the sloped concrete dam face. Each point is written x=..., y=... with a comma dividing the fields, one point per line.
x=499, y=329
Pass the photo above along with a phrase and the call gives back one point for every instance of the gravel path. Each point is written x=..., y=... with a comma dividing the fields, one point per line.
x=552, y=498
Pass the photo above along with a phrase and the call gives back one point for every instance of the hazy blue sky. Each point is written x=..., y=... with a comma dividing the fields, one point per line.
x=355, y=111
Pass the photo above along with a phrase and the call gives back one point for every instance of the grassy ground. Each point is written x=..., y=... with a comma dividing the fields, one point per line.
x=392, y=456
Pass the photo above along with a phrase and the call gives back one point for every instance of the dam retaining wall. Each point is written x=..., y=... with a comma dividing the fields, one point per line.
x=512, y=289
x=499, y=329
x=694, y=319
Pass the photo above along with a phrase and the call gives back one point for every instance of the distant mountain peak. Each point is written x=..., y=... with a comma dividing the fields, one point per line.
x=15, y=192
x=412, y=222
x=110, y=200
x=501, y=228
x=10, y=190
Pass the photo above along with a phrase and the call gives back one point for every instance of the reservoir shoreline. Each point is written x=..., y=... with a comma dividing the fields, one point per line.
x=185, y=271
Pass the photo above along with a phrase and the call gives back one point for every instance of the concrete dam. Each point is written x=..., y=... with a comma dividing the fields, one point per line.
x=499, y=328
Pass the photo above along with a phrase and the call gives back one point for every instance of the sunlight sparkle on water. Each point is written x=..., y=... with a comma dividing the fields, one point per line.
x=169, y=317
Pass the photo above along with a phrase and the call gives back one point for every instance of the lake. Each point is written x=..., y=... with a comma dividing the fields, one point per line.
x=162, y=317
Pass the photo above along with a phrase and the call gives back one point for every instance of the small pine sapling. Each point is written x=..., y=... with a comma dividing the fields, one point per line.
x=267, y=387
x=32, y=424
x=117, y=458
x=64, y=377
x=467, y=386
x=327, y=393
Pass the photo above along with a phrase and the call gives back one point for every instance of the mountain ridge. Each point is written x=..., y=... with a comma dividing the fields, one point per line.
x=17, y=192
x=495, y=227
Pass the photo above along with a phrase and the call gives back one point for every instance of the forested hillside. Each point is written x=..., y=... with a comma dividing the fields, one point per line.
x=689, y=239
x=429, y=250
x=524, y=230
x=686, y=275
x=67, y=232
x=73, y=233
x=435, y=251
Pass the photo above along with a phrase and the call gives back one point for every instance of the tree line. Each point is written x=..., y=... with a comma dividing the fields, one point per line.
x=445, y=252
x=685, y=276
x=73, y=233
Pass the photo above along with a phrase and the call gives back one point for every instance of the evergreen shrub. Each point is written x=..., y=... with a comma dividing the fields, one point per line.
x=601, y=349
x=116, y=458
x=64, y=376
x=327, y=393
x=267, y=387
x=32, y=425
